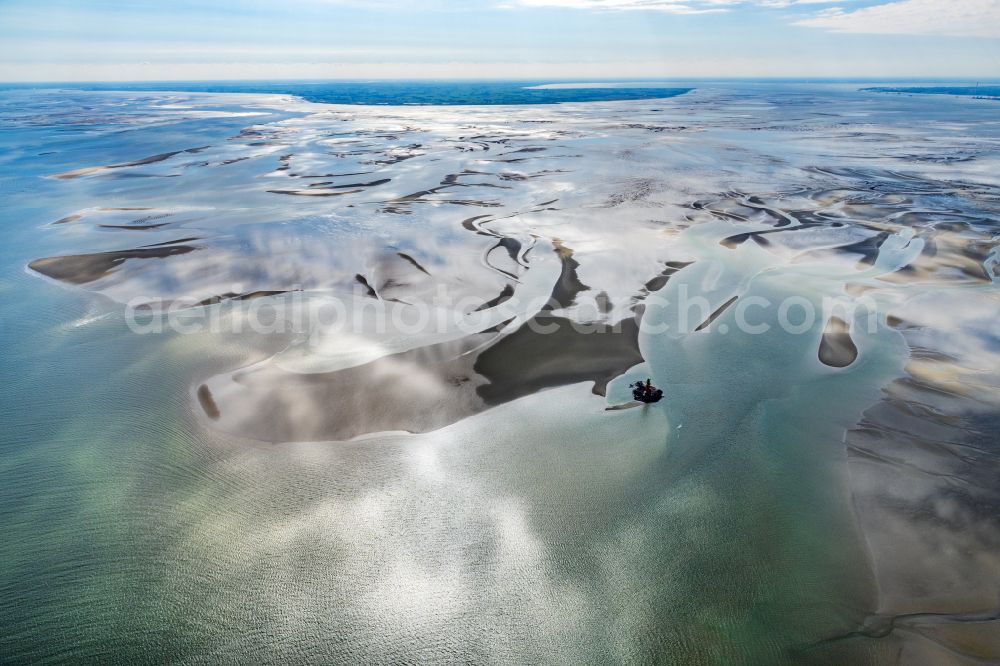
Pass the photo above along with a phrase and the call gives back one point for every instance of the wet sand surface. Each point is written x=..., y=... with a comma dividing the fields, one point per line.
x=837, y=349
x=84, y=268
x=407, y=434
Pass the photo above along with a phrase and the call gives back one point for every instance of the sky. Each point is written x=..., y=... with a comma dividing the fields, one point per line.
x=159, y=40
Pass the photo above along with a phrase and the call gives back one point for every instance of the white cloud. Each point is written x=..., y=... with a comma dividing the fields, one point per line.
x=972, y=18
x=788, y=3
x=665, y=6
x=964, y=18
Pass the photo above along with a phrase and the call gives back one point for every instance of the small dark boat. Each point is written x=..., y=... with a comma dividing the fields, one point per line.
x=639, y=393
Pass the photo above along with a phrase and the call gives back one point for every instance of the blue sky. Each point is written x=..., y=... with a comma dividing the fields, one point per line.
x=104, y=40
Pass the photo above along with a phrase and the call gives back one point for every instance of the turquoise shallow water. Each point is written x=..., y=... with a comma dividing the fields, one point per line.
x=749, y=518
x=446, y=93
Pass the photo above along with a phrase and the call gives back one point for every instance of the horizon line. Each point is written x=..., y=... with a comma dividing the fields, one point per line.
x=560, y=79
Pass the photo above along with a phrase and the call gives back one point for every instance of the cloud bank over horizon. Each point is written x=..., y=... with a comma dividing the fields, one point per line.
x=64, y=40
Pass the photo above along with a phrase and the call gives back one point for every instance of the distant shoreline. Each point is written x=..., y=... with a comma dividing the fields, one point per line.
x=990, y=92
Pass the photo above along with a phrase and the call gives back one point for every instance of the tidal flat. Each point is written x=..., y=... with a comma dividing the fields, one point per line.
x=307, y=383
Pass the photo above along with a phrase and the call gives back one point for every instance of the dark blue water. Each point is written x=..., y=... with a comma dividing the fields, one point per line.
x=401, y=92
